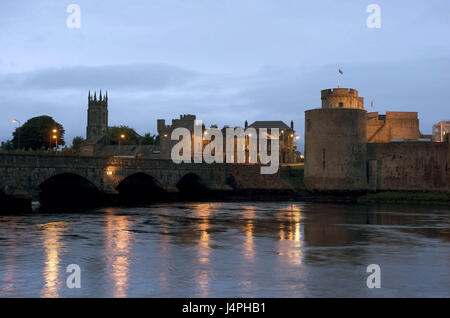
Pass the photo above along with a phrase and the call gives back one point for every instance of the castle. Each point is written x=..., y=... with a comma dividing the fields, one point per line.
x=97, y=142
x=349, y=149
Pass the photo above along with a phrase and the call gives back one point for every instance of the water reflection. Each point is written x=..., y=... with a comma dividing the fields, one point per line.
x=249, y=244
x=7, y=285
x=118, y=241
x=228, y=250
x=53, y=245
x=202, y=212
x=290, y=245
x=164, y=241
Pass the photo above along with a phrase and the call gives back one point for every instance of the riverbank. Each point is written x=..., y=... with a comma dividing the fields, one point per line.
x=423, y=198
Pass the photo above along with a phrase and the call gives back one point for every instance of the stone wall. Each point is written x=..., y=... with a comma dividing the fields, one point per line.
x=22, y=174
x=409, y=166
x=393, y=125
x=335, y=149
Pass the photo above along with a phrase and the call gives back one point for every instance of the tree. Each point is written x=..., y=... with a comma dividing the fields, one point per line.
x=149, y=139
x=37, y=133
x=76, y=143
x=130, y=136
x=7, y=145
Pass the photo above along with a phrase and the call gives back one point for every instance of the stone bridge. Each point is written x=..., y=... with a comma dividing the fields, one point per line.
x=21, y=174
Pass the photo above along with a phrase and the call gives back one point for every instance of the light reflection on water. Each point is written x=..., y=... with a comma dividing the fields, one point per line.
x=290, y=243
x=228, y=249
x=53, y=245
x=117, y=251
x=202, y=213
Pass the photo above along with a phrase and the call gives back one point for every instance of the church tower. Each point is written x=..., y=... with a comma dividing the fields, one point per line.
x=97, y=124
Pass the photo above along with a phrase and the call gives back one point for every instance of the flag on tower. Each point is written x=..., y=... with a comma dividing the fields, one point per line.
x=340, y=71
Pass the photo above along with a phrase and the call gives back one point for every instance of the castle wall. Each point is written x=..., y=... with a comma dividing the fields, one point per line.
x=409, y=166
x=335, y=149
x=393, y=125
x=165, y=133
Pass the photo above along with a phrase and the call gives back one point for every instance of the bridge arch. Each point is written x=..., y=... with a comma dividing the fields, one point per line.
x=192, y=186
x=67, y=189
x=140, y=187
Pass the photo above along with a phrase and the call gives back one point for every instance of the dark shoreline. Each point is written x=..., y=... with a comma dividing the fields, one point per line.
x=438, y=199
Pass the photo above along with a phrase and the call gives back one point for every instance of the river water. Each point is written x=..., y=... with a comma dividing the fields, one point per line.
x=263, y=249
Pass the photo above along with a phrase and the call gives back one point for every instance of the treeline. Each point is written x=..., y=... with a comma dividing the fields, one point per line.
x=43, y=133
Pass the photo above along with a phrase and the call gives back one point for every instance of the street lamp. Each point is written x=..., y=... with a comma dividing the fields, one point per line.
x=122, y=136
x=16, y=121
x=55, y=136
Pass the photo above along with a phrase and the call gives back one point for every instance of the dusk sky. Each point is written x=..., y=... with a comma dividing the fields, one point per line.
x=224, y=60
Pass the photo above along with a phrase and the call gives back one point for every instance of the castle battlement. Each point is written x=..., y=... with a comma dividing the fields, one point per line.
x=341, y=98
x=339, y=91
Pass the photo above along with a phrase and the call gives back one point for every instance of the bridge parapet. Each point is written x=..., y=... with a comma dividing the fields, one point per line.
x=23, y=173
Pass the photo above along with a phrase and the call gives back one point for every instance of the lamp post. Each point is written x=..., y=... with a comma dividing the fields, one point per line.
x=18, y=132
x=55, y=136
x=122, y=136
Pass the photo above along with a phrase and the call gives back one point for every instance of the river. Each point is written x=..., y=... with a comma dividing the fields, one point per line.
x=248, y=249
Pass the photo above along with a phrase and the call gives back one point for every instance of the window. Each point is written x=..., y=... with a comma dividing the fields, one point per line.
x=341, y=105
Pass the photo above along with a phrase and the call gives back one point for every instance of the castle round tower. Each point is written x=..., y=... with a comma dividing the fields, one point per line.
x=335, y=143
x=342, y=98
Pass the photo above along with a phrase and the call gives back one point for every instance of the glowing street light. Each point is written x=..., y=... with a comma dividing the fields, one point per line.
x=55, y=137
x=122, y=136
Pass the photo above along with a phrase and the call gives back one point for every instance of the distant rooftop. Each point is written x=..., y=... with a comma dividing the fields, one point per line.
x=270, y=124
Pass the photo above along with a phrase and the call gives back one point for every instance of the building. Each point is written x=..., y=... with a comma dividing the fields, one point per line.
x=440, y=130
x=97, y=123
x=347, y=149
x=379, y=128
x=97, y=142
x=287, y=137
x=187, y=121
x=341, y=98
x=393, y=126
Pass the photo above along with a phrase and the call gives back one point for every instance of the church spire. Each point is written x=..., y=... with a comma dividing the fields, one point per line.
x=100, y=94
x=89, y=96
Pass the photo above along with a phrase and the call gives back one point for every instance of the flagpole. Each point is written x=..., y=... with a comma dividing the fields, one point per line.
x=338, y=75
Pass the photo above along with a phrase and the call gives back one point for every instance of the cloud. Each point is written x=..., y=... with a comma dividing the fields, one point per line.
x=131, y=76
x=142, y=93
